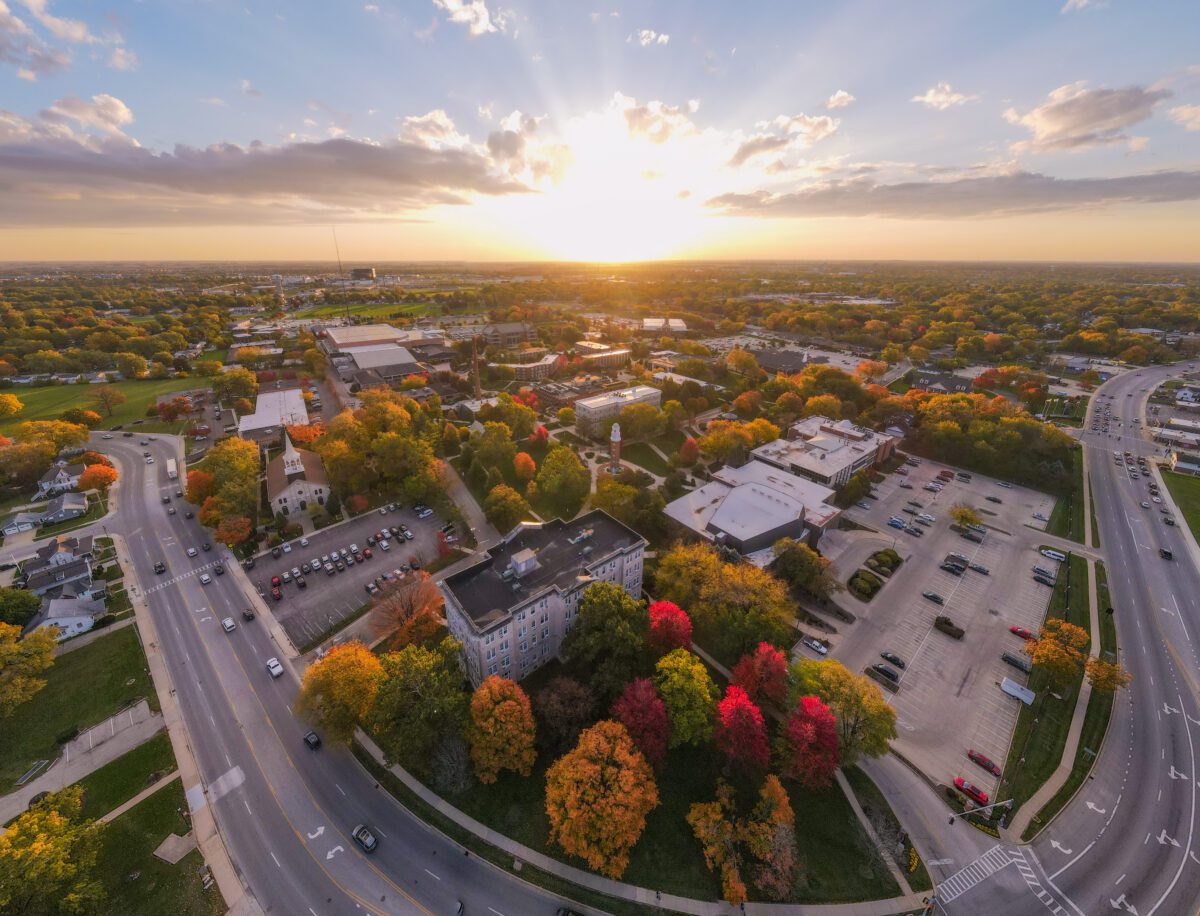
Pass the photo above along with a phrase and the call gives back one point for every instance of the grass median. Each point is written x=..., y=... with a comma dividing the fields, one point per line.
x=1067, y=519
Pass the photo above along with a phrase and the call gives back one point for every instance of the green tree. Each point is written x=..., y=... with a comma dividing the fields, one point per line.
x=18, y=606
x=505, y=507
x=866, y=723
x=563, y=482
x=690, y=696
x=566, y=416
x=494, y=447
x=804, y=568
x=238, y=382
x=609, y=637
x=130, y=365
x=640, y=422
x=639, y=508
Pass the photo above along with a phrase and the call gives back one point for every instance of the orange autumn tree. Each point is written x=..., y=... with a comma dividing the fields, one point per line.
x=338, y=691
x=1059, y=650
x=233, y=530
x=304, y=435
x=98, y=477
x=200, y=486
x=598, y=796
x=501, y=730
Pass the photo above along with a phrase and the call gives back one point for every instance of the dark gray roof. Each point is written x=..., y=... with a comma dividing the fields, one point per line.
x=486, y=597
x=53, y=576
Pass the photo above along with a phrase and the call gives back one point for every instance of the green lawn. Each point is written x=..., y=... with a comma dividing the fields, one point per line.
x=50, y=402
x=373, y=310
x=138, y=884
x=83, y=687
x=1041, y=744
x=1067, y=518
x=644, y=456
x=878, y=812
x=1185, y=490
x=570, y=438
x=837, y=861
x=109, y=787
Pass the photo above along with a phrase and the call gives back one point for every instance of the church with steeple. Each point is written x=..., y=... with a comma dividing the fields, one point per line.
x=296, y=480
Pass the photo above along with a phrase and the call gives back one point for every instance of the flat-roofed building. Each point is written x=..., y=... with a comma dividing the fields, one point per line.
x=593, y=411
x=512, y=609
x=392, y=362
x=826, y=451
x=273, y=411
x=751, y=507
x=509, y=334
x=538, y=369
x=606, y=359
x=664, y=326
x=350, y=337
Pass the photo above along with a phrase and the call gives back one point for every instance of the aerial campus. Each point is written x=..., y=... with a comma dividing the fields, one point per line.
x=625, y=460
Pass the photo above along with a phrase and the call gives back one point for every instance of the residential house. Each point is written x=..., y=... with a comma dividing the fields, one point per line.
x=60, y=477
x=70, y=616
x=64, y=508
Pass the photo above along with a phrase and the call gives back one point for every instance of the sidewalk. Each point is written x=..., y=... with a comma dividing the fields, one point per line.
x=80, y=641
x=204, y=825
x=620, y=890
x=96, y=747
x=141, y=796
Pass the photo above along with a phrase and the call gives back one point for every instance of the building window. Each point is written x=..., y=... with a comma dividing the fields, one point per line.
x=491, y=669
x=524, y=646
x=491, y=653
x=504, y=646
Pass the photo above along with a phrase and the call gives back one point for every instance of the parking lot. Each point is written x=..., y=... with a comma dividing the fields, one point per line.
x=949, y=699
x=307, y=613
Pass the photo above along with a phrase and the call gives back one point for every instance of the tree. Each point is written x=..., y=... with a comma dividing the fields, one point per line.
x=965, y=515
x=236, y=382
x=871, y=370
x=233, y=530
x=410, y=612
x=631, y=504
x=598, y=796
x=747, y=404
x=866, y=723
x=505, y=507
x=763, y=674
x=48, y=858
x=740, y=732
x=715, y=827
x=524, y=466
x=108, y=398
x=1059, y=650
x=804, y=568
x=807, y=748
x=494, y=447
x=641, y=710
x=1107, y=676
x=338, y=691
x=690, y=696
x=564, y=706
x=81, y=416
x=640, y=422
x=689, y=453
x=89, y=458
x=563, y=482
x=10, y=406
x=742, y=362
x=21, y=661
x=18, y=606
x=609, y=637
x=670, y=627
x=501, y=730
x=857, y=487
x=98, y=477
x=130, y=365
x=674, y=413
x=420, y=701
x=566, y=416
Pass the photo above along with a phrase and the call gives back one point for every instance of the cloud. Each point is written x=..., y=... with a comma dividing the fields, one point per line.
x=756, y=146
x=122, y=58
x=989, y=196
x=647, y=37
x=839, y=99
x=943, y=96
x=434, y=129
x=1072, y=6
x=1074, y=117
x=784, y=133
x=21, y=48
x=370, y=8
x=248, y=89
x=654, y=120
x=1187, y=116
x=72, y=30
x=73, y=165
x=426, y=34
x=212, y=100
x=475, y=15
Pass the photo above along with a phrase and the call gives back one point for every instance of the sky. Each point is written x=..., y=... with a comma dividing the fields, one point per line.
x=554, y=129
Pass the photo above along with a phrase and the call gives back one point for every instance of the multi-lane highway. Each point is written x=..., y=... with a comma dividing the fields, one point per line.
x=285, y=812
x=1128, y=841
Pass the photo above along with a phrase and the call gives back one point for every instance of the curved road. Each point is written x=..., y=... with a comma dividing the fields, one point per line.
x=285, y=812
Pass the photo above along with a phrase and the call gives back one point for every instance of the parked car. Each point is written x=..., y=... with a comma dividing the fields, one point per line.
x=973, y=792
x=934, y=597
x=893, y=658
x=986, y=762
x=816, y=646
x=277, y=594
x=301, y=582
x=1023, y=632
x=888, y=672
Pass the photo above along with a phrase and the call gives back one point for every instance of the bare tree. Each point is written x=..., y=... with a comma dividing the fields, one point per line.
x=409, y=612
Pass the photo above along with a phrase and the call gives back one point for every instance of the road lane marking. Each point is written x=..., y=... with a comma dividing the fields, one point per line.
x=339, y=788
x=277, y=865
x=247, y=804
x=431, y=874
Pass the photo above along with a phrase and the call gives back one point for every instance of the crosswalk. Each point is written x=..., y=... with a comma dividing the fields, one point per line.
x=973, y=874
x=1018, y=859
x=179, y=578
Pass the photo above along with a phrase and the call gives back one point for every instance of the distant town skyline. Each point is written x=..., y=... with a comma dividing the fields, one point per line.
x=496, y=130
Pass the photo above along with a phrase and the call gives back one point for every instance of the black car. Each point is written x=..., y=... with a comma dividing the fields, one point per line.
x=313, y=740
x=166, y=498
x=188, y=514
x=952, y=568
x=890, y=673
x=934, y=597
x=893, y=658
x=276, y=552
x=247, y=614
x=982, y=570
x=206, y=546
x=219, y=569
x=160, y=567
x=993, y=499
x=249, y=562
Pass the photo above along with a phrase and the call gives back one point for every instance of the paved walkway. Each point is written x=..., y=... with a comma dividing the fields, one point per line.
x=141, y=796
x=620, y=890
x=80, y=641
x=97, y=746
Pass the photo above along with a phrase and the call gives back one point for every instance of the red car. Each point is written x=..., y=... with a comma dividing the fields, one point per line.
x=366, y=552
x=276, y=593
x=1021, y=631
x=275, y=581
x=973, y=792
x=986, y=762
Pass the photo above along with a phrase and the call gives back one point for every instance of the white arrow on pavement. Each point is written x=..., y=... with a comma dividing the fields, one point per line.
x=1122, y=904
x=336, y=849
x=1097, y=810
x=1168, y=709
x=317, y=832
x=1163, y=839
x=1061, y=848
x=1175, y=774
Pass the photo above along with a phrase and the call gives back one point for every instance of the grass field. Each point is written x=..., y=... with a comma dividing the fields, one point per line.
x=138, y=884
x=373, y=310
x=115, y=783
x=96, y=508
x=1185, y=490
x=51, y=402
x=1041, y=743
x=644, y=456
x=83, y=688
x=1067, y=520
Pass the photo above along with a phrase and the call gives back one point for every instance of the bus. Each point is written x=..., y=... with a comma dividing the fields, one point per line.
x=172, y=470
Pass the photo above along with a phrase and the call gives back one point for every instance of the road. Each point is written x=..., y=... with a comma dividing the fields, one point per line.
x=285, y=812
x=1128, y=840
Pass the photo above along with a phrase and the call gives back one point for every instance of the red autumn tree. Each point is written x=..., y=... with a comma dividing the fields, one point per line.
x=524, y=466
x=641, y=710
x=211, y=513
x=305, y=434
x=90, y=458
x=762, y=674
x=670, y=627
x=233, y=530
x=98, y=477
x=689, y=452
x=740, y=732
x=200, y=486
x=540, y=435
x=808, y=744
x=356, y=503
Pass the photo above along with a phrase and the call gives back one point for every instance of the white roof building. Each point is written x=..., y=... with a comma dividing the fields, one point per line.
x=273, y=411
x=826, y=451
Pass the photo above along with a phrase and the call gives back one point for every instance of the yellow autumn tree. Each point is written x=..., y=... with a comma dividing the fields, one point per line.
x=598, y=796
x=21, y=661
x=1107, y=676
x=1059, y=650
x=48, y=859
x=338, y=691
x=501, y=730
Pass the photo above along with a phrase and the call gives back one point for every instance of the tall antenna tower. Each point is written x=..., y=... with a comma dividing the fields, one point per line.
x=341, y=273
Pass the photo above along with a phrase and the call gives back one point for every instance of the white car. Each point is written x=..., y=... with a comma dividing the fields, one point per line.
x=287, y=548
x=106, y=436
x=150, y=460
x=228, y=625
x=303, y=542
x=815, y=646
x=205, y=578
x=274, y=668
x=191, y=551
x=384, y=545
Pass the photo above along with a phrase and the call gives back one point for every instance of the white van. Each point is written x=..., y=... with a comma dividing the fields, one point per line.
x=1054, y=554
